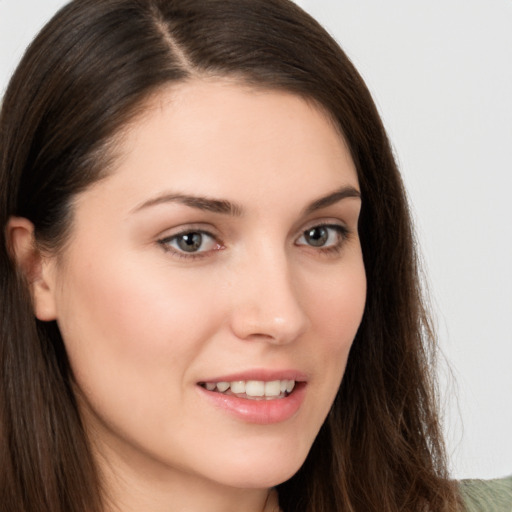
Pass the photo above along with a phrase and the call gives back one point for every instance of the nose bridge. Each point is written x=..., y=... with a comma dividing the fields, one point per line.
x=266, y=303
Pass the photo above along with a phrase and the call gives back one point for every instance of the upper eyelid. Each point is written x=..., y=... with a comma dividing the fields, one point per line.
x=205, y=226
x=343, y=230
x=205, y=229
x=332, y=225
x=166, y=239
x=325, y=222
x=210, y=230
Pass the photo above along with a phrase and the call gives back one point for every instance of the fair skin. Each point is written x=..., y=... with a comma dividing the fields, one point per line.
x=207, y=256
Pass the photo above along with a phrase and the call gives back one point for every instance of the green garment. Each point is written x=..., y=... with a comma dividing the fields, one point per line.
x=487, y=495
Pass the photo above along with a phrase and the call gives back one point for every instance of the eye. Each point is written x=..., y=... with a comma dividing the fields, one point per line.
x=189, y=243
x=323, y=237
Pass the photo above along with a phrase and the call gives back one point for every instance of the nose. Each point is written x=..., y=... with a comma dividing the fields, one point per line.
x=267, y=304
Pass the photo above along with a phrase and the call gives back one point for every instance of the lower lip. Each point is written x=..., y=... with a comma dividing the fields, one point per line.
x=262, y=412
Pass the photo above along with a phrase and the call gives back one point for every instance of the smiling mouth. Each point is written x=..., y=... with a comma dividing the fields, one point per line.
x=252, y=389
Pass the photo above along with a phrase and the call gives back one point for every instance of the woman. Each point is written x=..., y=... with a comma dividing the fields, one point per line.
x=210, y=292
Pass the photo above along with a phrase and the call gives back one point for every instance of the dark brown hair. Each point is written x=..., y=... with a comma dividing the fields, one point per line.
x=81, y=82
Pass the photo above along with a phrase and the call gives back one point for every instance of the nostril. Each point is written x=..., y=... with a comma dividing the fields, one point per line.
x=260, y=335
x=267, y=329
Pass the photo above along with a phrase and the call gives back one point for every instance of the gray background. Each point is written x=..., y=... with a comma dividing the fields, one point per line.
x=441, y=74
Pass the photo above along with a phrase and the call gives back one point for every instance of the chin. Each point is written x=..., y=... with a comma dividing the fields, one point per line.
x=259, y=468
x=258, y=478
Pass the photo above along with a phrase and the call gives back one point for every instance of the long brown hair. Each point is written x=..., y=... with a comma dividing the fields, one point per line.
x=84, y=79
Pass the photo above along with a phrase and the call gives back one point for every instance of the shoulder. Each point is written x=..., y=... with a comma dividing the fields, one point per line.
x=487, y=495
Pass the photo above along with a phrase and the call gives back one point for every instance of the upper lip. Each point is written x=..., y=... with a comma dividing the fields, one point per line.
x=266, y=375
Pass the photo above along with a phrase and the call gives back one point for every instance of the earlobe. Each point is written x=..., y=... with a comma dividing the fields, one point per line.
x=37, y=268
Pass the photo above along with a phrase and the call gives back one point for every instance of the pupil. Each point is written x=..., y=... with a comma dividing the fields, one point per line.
x=190, y=242
x=317, y=236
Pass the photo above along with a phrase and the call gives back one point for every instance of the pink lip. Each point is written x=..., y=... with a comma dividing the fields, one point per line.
x=261, y=374
x=262, y=412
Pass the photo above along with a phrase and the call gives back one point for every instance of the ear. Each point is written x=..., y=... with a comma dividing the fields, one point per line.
x=37, y=268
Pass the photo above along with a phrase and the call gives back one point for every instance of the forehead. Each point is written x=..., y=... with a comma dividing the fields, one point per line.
x=225, y=139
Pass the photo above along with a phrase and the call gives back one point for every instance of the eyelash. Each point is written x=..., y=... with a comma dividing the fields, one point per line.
x=341, y=232
x=165, y=243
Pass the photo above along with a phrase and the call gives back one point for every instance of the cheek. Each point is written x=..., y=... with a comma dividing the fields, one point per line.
x=134, y=307
x=129, y=328
x=132, y=335
x=335, y=308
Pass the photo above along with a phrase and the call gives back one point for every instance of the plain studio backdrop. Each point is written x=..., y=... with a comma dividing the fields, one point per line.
x=441, y=74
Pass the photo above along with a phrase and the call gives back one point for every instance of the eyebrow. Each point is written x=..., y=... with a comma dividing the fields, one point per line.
x=335, y=197
x=226, y=207
x=201, y=203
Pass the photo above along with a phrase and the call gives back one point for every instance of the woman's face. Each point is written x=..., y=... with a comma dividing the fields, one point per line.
x=223, y=248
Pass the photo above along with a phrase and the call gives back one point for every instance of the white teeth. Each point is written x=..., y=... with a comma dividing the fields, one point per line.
x=273, y=388
x=253, y=388
x=222, y=386
x=238, y=387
